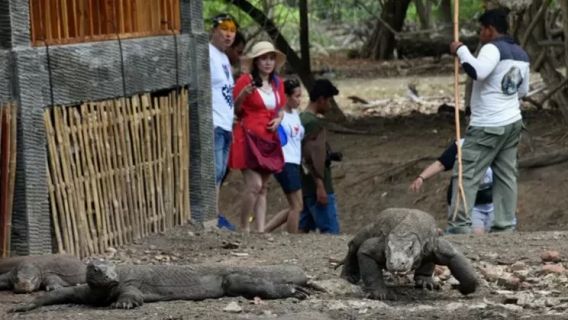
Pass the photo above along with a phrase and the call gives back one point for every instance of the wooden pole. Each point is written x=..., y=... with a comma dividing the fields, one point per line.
x=457, y=111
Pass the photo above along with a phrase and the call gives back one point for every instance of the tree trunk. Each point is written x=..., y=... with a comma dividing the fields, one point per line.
x=381, y=43
x=307, y=78
x=424, y=10
x=446, y=12
x=305, y=36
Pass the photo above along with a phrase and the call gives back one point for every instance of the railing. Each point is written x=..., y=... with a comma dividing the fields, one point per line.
x=118, y=170
x=72, y=21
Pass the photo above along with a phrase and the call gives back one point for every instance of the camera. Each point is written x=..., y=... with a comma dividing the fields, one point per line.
x=333, y=156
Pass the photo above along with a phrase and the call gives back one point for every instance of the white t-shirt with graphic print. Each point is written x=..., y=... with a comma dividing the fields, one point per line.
x=295, y=133
x=222, y=84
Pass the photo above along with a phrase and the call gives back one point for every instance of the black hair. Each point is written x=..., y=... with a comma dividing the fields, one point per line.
x=256, y=80
x=239, y=39
x=496, y=18
x=290, y=85
x=216, y=20
x=322, y=88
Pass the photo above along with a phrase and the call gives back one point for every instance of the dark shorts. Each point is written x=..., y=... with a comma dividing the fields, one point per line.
x=290, y=178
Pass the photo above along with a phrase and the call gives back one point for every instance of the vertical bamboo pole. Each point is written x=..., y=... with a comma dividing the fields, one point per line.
x=86, y=179
x=137, y=134
x=94, y=169
x=457, y=113
x=132, y=168
x=184, y=150
x=125, y=171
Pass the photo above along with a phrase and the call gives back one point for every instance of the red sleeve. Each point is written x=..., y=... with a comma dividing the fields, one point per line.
x=242, y=82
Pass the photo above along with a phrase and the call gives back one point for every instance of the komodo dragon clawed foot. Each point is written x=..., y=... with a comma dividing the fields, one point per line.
x=300, y=293
x=426, y=282
x=126, y=304
x=381, y=294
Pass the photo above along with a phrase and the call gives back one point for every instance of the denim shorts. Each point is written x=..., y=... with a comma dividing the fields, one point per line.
x=320, y=217
x=223, y=139
x=290, y=178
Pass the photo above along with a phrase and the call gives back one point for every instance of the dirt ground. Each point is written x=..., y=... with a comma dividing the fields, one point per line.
x=377, y=169
x=537, y=295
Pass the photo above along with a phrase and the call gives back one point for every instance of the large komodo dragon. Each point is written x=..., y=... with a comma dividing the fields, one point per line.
x=129, y=286
x=402, y=240
x=30, y=273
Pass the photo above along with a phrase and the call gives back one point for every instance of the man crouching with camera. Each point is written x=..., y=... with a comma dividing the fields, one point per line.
x=320, y=209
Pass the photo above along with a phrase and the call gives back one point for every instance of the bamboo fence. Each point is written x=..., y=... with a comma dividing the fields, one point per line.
x=8, y=120
x=70, y=21
x=118, y=170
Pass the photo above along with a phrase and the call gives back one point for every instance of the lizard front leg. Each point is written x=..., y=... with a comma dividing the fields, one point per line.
x=52, y=282
x=460, y=267
x=371, y=260
x=129, y=297
x=350, y=270
x=6, y=281
x=423, y=276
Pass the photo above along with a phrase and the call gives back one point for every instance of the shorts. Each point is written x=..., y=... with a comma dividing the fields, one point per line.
x=223, y=139
x=290, y=178
x=320, y=217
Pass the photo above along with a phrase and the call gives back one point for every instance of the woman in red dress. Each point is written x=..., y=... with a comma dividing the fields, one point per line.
x=259, y=98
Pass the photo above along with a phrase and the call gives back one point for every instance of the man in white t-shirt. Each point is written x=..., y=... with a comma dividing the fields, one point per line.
x=500, y=74
x=222, y=37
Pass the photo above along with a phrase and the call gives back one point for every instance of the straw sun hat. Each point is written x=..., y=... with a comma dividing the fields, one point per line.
x=258, y=50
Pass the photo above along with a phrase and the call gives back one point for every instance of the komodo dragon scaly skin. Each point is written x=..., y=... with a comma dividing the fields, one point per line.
x=403, y=240
x=129, y=286
x=30, y=273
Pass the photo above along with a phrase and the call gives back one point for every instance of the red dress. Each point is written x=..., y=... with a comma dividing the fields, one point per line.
x=253, y=115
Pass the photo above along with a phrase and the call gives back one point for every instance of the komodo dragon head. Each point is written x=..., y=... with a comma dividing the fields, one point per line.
x=26, y=278
x=101, y=274
x=403, y=252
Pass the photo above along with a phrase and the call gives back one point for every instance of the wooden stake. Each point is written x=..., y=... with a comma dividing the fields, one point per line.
x=457, y=112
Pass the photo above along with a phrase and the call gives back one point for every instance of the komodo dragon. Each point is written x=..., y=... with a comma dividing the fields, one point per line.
x=402, y=240
x=30, y=273
x=129, y=286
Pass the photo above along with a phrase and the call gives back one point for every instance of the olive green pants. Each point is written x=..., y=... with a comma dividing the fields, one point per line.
x=484, y=147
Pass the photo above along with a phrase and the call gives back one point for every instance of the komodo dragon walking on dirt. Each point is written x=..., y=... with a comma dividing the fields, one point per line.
x=129, y=286
x=30, y=273
x=403, y=240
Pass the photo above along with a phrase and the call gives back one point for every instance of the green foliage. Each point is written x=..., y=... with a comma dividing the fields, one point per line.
x=285, y=15
x=469, y=9
x=325, y=14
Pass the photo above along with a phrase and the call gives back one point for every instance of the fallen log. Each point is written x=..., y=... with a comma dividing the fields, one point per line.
x=424, y=46
x=544, y=159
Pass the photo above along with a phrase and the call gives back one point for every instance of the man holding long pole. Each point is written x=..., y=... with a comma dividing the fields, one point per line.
x=501, y=77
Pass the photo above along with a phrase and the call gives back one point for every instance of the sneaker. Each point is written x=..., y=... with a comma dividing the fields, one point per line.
x=224, y=223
